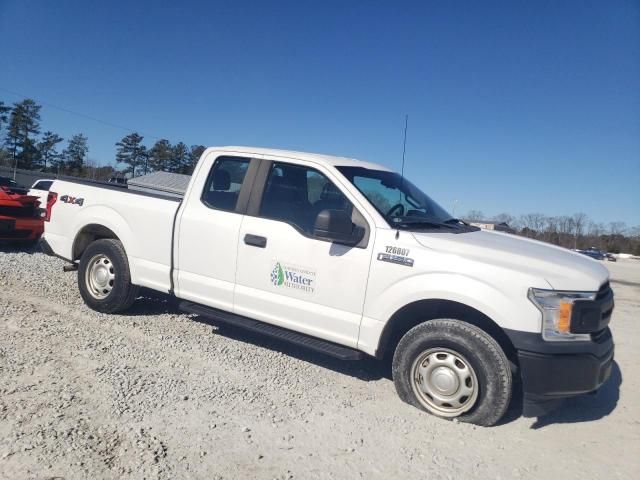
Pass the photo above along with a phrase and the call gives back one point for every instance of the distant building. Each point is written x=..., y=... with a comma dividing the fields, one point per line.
x=497, y=226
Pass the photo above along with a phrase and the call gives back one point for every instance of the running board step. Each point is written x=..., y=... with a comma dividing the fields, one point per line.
x=307, y=341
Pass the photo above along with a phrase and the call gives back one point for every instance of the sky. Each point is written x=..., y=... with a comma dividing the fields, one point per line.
x=513, y=106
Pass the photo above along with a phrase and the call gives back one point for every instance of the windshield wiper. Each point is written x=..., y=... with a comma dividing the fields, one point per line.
x=455, y=221
x=422, y=223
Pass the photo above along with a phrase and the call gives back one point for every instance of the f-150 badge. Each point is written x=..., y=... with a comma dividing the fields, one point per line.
x=396, y=255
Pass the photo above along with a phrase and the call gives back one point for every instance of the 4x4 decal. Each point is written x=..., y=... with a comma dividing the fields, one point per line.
x=72, y=200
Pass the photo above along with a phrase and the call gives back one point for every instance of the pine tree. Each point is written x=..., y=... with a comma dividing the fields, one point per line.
x=47, y=148
x=194, y=155
x=29, y=158
x=4, y=118
x=4, y=115
x=133, y=153
x=160, y=155
x=75, y=154
x=24, y=125
x=180, y=160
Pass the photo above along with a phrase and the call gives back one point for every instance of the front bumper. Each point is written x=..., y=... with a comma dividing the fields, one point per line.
x=552, y=371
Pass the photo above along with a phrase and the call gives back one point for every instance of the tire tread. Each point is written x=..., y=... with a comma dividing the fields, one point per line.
x=493, y=400
x=124, y=293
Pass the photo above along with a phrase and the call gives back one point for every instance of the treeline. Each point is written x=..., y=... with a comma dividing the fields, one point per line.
x=569, y=231
x=140, y=160
x=24, y=145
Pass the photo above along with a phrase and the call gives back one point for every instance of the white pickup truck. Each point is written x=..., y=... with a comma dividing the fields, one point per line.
x=350, y=259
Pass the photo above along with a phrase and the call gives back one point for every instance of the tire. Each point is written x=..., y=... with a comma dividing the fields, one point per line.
x=453, y=369
x=104, y=278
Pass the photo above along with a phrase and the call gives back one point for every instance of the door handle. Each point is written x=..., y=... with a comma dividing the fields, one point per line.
x=255, y=240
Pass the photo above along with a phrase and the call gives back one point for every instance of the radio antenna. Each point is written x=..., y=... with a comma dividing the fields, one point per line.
x=404, y=150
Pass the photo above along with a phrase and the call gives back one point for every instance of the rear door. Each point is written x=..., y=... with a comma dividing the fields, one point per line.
x=209, y=225
x=287, y=277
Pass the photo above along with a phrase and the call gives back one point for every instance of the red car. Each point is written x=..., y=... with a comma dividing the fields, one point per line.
x=21, y=218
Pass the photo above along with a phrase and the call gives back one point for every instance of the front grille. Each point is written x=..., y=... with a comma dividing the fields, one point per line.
x=21, y=212
x=593, y=316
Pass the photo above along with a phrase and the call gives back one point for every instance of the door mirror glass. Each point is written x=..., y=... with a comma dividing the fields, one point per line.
x=336, y=226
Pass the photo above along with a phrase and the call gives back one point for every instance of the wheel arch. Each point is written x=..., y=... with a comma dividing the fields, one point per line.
x=89, y=234
x=420, y=311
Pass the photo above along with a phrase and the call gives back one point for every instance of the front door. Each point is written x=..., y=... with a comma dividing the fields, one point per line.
x=287, y=277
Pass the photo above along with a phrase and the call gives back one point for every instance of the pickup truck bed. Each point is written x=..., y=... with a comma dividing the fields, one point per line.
x=146, y=225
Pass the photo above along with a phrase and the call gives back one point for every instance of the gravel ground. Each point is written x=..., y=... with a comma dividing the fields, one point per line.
x=159, y=394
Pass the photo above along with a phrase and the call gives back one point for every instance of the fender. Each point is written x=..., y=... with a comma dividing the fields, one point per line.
x=107, y=217
x=504, y=308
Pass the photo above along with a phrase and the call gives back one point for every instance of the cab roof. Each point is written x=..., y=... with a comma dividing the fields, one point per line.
x=328, y=160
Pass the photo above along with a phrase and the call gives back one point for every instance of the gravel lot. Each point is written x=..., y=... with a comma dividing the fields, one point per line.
x=160, y=394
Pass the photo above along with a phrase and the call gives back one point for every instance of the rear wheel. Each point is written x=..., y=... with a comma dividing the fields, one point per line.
x=452, y=369
x=104, y=278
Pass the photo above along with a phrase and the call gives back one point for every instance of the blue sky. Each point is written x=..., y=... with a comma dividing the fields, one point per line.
x=513, y=106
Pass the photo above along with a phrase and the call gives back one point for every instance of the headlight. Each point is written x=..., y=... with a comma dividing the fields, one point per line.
x=556, y=308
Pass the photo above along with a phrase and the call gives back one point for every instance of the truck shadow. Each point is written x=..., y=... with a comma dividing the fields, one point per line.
x=7, y=246
x=368, y=369
x=582, y=408
x=151, y=302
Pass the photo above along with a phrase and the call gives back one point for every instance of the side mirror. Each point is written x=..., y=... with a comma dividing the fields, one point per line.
x=336, y=226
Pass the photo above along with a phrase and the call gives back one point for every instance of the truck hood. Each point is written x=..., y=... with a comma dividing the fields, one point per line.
x=561, y=268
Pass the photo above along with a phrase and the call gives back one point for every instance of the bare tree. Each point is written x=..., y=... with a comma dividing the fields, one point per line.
x=551, y=229
x=579, y=222
x=617, y=228
x=474, y=216
x=575, y=231
x=506, y=218
x=533, y=223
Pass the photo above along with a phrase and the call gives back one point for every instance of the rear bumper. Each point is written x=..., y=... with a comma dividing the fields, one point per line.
x=552, y=371
x=24, y=229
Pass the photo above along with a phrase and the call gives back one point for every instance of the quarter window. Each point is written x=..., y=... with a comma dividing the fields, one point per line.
x=43, y=185
x=224, y=182
x=296, y=194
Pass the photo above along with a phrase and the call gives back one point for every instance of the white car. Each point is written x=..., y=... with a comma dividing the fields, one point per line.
x=350, y=259
x=40, y=189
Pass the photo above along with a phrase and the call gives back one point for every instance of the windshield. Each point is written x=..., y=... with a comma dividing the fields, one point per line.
x=396, y=198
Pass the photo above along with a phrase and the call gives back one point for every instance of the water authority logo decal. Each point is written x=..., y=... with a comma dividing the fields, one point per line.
x=294, y=277
x=277, y=275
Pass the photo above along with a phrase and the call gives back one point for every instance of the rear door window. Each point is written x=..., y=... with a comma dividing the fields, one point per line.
x=224, y=182
x=43, y=185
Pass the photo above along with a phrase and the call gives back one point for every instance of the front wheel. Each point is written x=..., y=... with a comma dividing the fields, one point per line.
x=453, y=369
x=104, y=278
